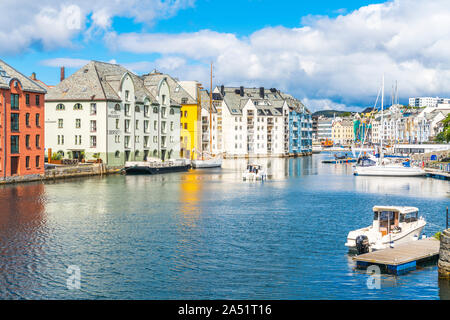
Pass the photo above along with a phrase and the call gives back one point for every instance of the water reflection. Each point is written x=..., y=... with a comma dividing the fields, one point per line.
x=23, y=236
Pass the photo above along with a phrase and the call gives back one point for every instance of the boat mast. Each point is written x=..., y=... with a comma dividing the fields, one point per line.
x=210, y=113
x=382, y=121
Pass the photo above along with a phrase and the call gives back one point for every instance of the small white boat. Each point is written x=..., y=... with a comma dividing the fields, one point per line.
x=207, y=163
x=254, y=172
x=389, y=170
x=391, y=226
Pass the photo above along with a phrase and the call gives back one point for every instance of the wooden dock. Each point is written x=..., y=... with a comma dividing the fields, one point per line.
x=337, y=161
x=401, y=259
x=437, y=174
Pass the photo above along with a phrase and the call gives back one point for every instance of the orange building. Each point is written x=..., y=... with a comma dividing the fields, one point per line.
x=21, y=124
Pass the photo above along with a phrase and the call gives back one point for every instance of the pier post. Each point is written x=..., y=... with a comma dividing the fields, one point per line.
x=444, y=255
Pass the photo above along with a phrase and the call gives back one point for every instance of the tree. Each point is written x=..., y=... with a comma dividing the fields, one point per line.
x=444, y=136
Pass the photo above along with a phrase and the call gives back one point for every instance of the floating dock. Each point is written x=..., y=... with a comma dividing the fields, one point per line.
x=348, y=160
x=438, y=174
x=401, y=259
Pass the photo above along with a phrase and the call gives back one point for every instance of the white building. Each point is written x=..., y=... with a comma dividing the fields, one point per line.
x=105, y=111
x=255, y=122
x=427, y=101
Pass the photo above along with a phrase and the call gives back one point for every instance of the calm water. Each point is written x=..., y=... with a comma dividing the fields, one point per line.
x=207, y=235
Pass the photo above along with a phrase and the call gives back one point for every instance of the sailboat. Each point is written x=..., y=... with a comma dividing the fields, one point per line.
x=205, y=159
x=384, y=168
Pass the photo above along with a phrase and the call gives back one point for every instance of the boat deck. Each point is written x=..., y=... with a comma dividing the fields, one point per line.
x=403, y=258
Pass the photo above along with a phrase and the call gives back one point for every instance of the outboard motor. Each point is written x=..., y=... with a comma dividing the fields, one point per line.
x=362, y=244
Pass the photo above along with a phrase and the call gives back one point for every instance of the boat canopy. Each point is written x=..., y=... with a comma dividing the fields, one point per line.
x=401, y=210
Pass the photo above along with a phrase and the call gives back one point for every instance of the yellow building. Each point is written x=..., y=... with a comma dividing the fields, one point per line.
x=342, y=132
x=190, y=120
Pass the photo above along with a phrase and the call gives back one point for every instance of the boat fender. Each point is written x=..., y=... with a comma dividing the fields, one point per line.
x=362, y=244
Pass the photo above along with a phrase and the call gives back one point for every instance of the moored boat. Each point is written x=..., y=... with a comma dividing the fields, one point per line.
x=254, y=172
x=154, y=167
x=391, y=225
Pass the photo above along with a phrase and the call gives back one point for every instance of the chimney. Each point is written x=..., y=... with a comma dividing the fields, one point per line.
x=63, y=73
x=242, y=91
x=33, y=76
x=222, y=90
x=261, y=92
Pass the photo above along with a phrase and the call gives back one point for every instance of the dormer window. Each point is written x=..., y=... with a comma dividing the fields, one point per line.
x=163, y=99
x=78, y=106
x=127, y=95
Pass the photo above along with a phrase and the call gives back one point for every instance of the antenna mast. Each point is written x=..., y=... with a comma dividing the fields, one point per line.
x=210, y=113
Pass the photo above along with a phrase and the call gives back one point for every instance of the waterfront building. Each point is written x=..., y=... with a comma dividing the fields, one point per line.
x=21, y=124
x=421, y=102
x=342, y=131
x=210, y=112
x=255, y=122
x=184, y=94
x=104, y=111
x=300, y=127
x=324, y=128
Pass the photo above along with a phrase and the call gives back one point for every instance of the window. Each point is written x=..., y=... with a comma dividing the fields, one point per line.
x=77, y=123
x=163, y=99
x=61, y=107
x=27, y=141
x=27, y=162
x=137, y=109
x=93, y=109
x=38, y=141
x=185, y=126
x=146, y=125
x=78, y=106
x=27, y=119
x=93, y=126
x=117, y=139
x=38, y=102
x=127, y=95
x=146, y=138
x=137, y=124
x=155, y=125
x=78, y=139
x=155, y=109
x=93, y=141
x=127, y=125
x=60, y=123
x=14, y=122
x=38, y=116
x=38, y=161
x=185, y=114
x=117, y=154
x=155, y=139
x=184, y=100
x=117, y=123
x=171, y=126
x=27, y=99
x=117, y=107
x=172, y=111
x=14, y=144
x=145, y=111
x=127, y=109
x=136, y=139
x=60, y=139
x=14, y=101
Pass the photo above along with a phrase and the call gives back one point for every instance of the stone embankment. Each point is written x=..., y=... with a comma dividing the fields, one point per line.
x=444, y=255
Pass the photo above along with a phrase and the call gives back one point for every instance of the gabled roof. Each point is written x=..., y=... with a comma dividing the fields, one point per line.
x=177, y=93
x=7, y=73
x=204, y=99
x=97, y=81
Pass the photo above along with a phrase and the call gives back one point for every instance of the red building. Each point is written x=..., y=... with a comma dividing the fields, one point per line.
x=21, y=124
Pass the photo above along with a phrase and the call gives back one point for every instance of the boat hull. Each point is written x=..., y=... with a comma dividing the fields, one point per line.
x=138, y=170
x=386, y=171
x=199, y=164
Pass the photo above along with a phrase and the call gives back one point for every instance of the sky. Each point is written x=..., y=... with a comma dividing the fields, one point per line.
x=329, y=54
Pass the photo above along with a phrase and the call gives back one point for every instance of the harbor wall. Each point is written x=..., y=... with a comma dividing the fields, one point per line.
x=444, y=255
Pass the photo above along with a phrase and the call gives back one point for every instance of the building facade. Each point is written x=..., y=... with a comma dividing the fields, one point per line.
x=21, y=124
x=342, y=131
x=103, y=111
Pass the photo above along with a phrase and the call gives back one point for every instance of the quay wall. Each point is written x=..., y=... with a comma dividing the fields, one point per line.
x=444, y=255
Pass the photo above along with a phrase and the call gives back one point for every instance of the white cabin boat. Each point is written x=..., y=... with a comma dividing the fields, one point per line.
x=389, y=170
x=391, y=225
x=254, y=172
x=210, y=162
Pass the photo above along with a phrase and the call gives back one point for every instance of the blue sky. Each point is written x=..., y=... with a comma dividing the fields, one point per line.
x=330, y=54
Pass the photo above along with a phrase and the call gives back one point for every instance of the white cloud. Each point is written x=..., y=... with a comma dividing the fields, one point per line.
x=53, y=24
x=337, y=59
x=65, y=62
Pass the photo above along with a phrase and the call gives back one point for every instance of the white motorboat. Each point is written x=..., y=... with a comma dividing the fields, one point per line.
x=254, y=172
x=207, y=163
x=391, y=226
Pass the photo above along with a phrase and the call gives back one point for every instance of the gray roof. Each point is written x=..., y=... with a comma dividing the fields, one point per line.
x=7, y=73
x=270, y=105
x=97, y=81
x=177, y=93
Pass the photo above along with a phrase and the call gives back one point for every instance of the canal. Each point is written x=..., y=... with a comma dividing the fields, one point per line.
x=206, y=234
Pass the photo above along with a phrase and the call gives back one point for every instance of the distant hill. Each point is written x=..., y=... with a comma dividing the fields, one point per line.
x=332, y=113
